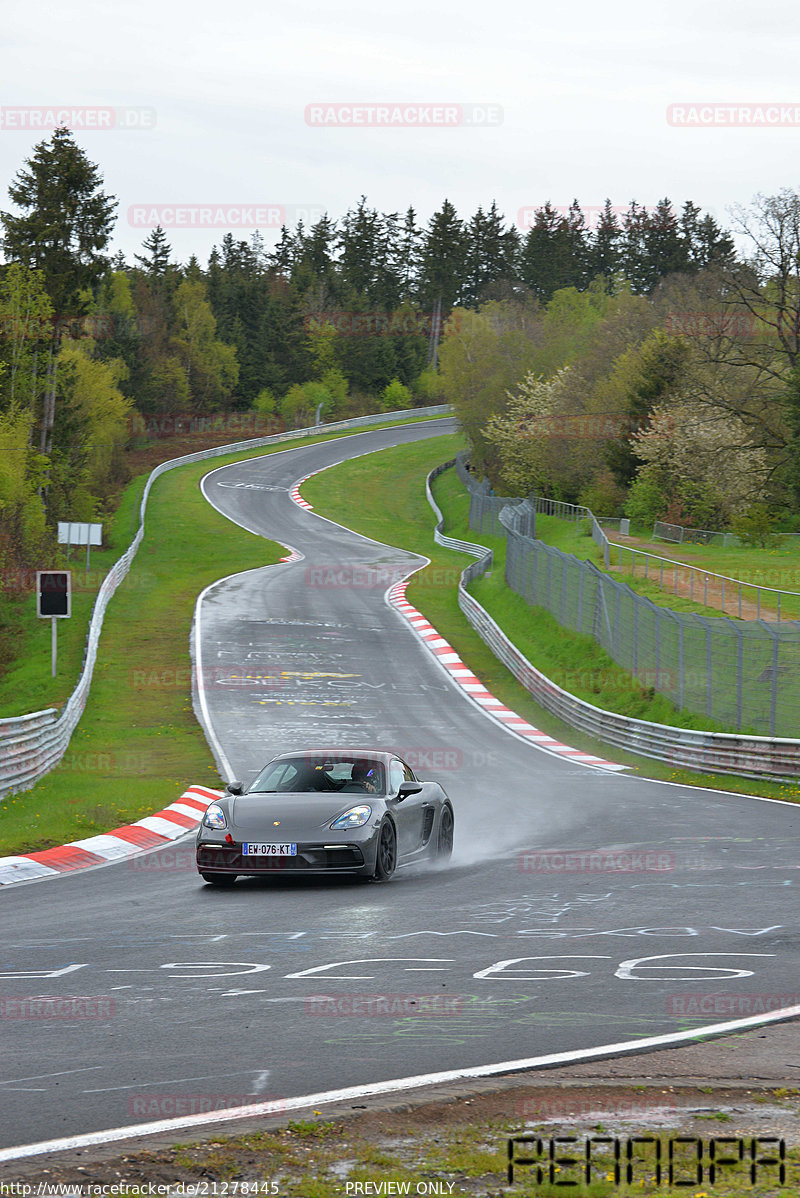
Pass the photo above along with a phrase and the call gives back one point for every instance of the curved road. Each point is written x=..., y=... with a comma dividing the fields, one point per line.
x=198, y=999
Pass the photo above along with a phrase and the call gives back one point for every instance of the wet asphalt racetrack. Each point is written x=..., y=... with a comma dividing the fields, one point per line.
x=203, y=998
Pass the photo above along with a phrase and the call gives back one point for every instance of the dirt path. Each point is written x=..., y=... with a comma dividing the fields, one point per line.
x=735, y=599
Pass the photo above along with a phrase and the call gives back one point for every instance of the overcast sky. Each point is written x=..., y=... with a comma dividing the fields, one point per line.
x=520, y=103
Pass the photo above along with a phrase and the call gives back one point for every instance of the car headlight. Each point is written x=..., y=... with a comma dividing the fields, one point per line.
x=356, y=817
x=215, y=817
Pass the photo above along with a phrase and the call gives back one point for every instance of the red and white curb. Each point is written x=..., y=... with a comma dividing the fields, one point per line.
x=293, y=555
x=148, y=833
x=294, y=494
x=464, y=677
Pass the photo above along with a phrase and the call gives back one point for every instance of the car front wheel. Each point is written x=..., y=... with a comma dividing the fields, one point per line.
x=386, y=859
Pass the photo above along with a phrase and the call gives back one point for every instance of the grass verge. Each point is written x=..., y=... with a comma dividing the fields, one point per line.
x=383, y=497
x=461, y=1147
x=25, y=678
x=778, y=568
x=138, y=744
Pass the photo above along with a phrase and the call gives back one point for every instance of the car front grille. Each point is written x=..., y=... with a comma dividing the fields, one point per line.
x=230, y=859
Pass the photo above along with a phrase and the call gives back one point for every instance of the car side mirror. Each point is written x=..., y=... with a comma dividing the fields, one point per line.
x=234, y=788
x=408, y=788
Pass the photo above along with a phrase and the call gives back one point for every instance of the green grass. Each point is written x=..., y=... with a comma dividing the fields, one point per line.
x=756, y=664
x=26, y=683
x=383, y=497
x=138, y=744
x=778, y=567
x=750, y=566
x=441, y=1151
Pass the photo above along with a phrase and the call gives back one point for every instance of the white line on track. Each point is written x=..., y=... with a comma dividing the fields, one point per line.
x=399, y=1085
x=197, y=655
x=395, y=1086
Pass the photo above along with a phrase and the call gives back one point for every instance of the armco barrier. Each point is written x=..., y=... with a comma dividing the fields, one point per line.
x=774, y=758
x=31, y=745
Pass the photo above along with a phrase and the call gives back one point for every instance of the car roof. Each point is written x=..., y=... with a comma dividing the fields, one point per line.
x=326, y=751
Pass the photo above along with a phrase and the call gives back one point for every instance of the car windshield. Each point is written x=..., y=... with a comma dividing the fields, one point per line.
x=341, y=773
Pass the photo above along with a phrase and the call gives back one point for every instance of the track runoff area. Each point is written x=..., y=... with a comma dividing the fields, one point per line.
x=584, y=913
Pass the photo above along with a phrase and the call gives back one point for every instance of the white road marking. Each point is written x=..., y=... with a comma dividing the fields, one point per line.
x=168, y=1081
x=39, y=1077
x=286, y=1106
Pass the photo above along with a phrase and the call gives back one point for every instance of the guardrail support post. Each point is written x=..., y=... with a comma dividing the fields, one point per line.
x=709, y=674
x=773, y=706
x=739, y=673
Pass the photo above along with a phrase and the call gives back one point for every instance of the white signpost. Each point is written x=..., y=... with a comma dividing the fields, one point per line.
x=74, y=532
x=53, y=602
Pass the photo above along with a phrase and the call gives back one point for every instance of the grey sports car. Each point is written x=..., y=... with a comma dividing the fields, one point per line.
x=333, y=811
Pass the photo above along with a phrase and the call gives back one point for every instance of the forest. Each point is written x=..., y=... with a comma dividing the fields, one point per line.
x=615, y=361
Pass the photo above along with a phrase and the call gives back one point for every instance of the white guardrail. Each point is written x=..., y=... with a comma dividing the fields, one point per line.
x=774, y=758
x=32, y=745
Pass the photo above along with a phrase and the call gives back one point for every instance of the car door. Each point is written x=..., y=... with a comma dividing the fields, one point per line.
x=408, y=813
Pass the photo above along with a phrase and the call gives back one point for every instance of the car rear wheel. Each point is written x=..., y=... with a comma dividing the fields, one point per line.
x=386, y=859
x=446, y=824
x=219, y=879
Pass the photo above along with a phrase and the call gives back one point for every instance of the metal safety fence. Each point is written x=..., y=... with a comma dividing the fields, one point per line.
x=32, y=745
x=662, y=531
x=741, y=673
x=751, y=755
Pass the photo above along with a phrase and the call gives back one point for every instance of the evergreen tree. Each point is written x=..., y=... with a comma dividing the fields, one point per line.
x=319, y=249
x=604, y=254
x=666, y=248
x=282, y=256
x=442, y=266
x=65, y=225
x=706, y=244
x=66, y=220
x=491, y=254
x=555, y=252
x=406, y=256
x=633, y=248
x=156, y=263
x=657, y=369
x=365, y=267
x=443, y=258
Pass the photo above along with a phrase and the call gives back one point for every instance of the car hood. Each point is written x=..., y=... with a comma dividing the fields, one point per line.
x=297, y=813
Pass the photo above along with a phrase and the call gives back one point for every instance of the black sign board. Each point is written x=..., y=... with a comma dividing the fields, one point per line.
x=53, y=593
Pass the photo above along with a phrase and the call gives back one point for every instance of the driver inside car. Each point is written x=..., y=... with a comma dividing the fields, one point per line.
x=363, y=777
